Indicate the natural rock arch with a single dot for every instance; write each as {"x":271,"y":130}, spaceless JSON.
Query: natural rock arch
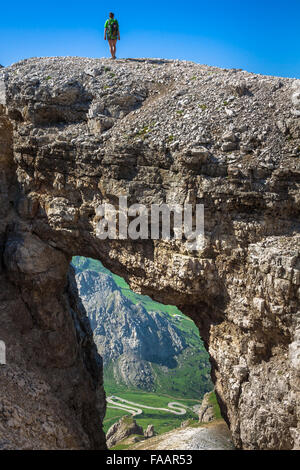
{"x":77,"y":132}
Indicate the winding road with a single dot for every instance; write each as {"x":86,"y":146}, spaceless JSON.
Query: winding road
{"x":137,"y":408}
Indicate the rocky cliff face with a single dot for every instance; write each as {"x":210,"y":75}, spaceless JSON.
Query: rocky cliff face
{"x":77,"y":132}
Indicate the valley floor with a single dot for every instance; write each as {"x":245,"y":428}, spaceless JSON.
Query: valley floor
{"x":148,"y":408}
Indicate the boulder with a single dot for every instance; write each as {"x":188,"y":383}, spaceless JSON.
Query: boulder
{"x":122,"y":429}
{"x":149,"y":431}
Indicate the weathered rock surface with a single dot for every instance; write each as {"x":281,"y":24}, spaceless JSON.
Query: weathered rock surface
{"x":206,"y":410}
{"x":212,"y":436}
{"x":122,"y":429}
{"x":77,"y":132}
{"x":149,"y":432}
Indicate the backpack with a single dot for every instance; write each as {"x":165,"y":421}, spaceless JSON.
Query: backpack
{"x":113,"y":28}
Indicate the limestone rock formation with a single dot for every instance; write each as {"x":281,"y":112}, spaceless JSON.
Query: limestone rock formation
{"x":125,"y":427}
{"x":149,"y":432}
{"x":78,"y":132}
{"x":206,"y":410}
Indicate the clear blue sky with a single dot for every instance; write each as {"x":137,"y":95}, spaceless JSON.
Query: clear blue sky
{"x":260,"y":36}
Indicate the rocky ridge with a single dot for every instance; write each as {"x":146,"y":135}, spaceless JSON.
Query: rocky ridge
{"x":77,"y":132}
{"x":211,"y":436}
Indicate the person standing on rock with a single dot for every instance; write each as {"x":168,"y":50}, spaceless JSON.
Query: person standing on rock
{"x":112,"y":33}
